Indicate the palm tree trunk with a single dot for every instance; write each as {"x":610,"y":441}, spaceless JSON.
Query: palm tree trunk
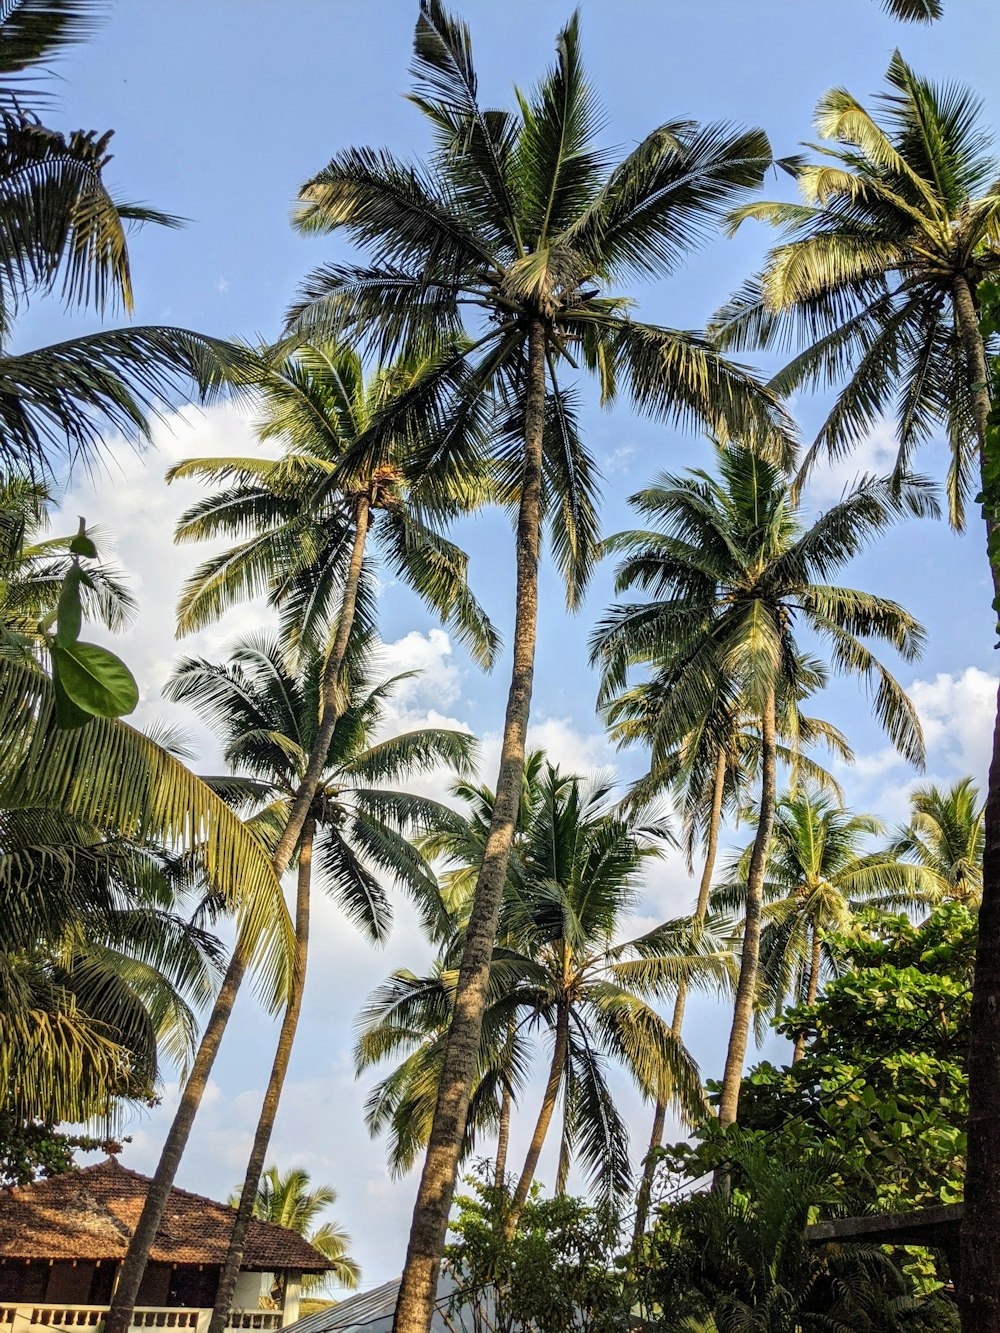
{"x":503,"y":1135}
{"x":649,"y":1169}
{"x":979,"y":1286}
{"x":137,"y":1256}
{"x":279,"y":1069}
{"x":506,"y":1106}
{"x":812,"y":990}
{"x":680,"y":1003}
{"x":545,"y":1113}
{"x":746,"y":986}
{"x":562,"y":1170}
{"x":418,"y":1288}
{"x":119,"y":1316}
{"x":715,"y":819}
{"x":330,"y":700}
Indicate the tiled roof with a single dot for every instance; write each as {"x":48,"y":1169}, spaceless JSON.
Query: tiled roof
{"x":90,"y":1214}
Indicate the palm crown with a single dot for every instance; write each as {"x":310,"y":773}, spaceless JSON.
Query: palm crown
{"x":821,"y":871}
{"x":295,"y":515}
{"x":519,"y":220}
{"x":733,"y":572}
{"x":268,"y":717}
{"x":877,"y":274}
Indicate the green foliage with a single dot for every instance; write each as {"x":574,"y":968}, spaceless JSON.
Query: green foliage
{"x":875,"y":1110}
{"x":558,"y":1273}
{"x":32,"y":1148}
{"x":738,"y":1260}
{"x":289,"y":1199}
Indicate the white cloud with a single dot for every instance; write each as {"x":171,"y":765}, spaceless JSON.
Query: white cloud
{"x":875,"y":455}
{"x":957,"y":712}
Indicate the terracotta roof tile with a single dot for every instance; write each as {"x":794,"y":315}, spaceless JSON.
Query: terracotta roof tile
{"x":90,"y":1214}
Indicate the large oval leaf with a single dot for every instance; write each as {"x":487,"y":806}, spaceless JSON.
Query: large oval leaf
{"x":95,"y":679}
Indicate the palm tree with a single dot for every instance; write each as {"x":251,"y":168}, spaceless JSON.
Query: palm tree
{"x":411,"y":1014}
{"x":733,"y":571}
{"x":357,"y":828}
{"x":305,"y":529}
{"x":310,"y":528}
{"x":572,"y":880}
{"x":819,"y":876}
{"x":709,"y":770}
{"x":945,"y":837}
{"x":510,"y":240}
{"x":98,"y":969}
{"x":291,"y":1200}
{"x":877,"y":279}
{"x":62,"y":231}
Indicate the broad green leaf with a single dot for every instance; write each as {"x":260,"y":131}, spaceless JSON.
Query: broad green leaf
{"x":95,"y":679}
{"x":82,"y":544}
{"x":69,"y":619}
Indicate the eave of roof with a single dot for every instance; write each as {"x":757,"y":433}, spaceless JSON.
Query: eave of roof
{"x":90,"y":1214}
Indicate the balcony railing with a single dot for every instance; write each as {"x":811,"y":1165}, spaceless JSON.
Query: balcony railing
{"x":39,"y":1315}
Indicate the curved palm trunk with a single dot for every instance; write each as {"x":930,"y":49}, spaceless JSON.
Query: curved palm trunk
{"x":418,"y":1288}
{"x":269,"y":1109}
{"x":134,"y":1265}
{"x":545,"y":1114}
{"x":979,"y":1286}
{"x":680,"y":1003}
{"x":812,"y":990}
{"x":746,"y":986}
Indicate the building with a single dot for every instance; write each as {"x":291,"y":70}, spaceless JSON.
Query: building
{"x":62,"y":1240}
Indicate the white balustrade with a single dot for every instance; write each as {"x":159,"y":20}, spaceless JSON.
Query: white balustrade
{"x":34,"y":1317}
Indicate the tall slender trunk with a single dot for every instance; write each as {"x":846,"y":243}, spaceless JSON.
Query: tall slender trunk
{"x":331,"y":702}
{"x":418,"y":1288}
{"x":119,"y":1316}
{"x":506,"y":1106}
{"x":563,"y":1169}
{"x":503,"y":1136}
{"x":979,"y":1285}
{"x":545,"y":1113}
{"x":746,"y":986}
{"x":282,"y":1055}
{"x":680,"y":1003}
{"x":137,"y":1256}
{"x":812,"y":989}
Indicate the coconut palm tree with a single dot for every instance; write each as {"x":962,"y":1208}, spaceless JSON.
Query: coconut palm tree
{"x":357,"y":828}
{"x":945,"y":837}
{"x":709,"y":771}
{"x":99,"y":969}
{"x":875,"y":280}
{"x":291,"y":1200}
{"x":411,"y":1014}
{"x":308,"y":549}
{"x":819,"y":875}
{"x":514,"y":237}
{"x":733,"y":572}
{"x":572,"y":879}
{"x":305,"y":529}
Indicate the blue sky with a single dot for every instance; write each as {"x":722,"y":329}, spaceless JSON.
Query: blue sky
{"x":221,"y":109}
